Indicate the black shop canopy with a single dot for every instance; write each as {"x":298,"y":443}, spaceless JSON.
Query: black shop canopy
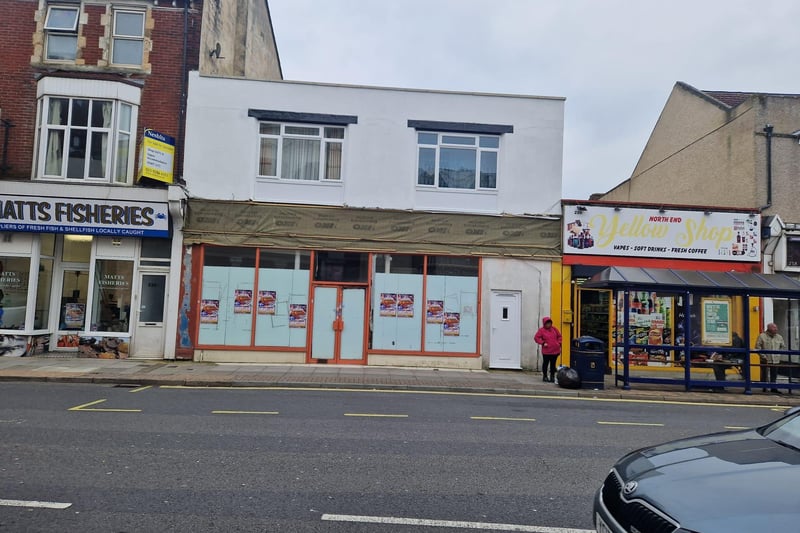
{"x":670,"y":280}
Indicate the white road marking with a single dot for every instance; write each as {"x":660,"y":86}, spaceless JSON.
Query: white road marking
{"x":377,"y":415}
{"x":629,"y":424}
{"x":481,"y":394}
{"x":502,"y":418}
{"x":486,"y":526}
{"x":244,"y":412}
{"x":735,"y":427}
{"x":40,"y":505}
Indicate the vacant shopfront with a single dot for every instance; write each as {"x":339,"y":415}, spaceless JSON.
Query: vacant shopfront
{"x":325,"y":285}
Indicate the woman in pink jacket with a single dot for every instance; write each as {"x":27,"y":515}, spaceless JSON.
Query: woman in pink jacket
{"x":550,"y":339}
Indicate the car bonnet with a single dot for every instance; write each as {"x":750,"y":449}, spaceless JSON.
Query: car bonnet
{"x":736,"y":481}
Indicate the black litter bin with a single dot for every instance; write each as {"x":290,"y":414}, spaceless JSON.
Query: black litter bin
{"x":588,"y":357}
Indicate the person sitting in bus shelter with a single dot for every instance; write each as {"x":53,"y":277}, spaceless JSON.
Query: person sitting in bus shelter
{"x":721,"y":361}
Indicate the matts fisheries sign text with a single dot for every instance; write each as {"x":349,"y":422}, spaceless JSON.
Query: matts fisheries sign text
{"x":42,"y":214}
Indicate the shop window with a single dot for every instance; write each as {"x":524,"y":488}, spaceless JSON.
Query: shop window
{"x":453,"y":266}
{"x":397,"y":306}
{"x":448,"y":311}
{"x":77,"y":248}
{"x":341,"y":266}
{"x":155,"y":252}
{"x":74,"y":295}
{"x":451,"y":289}
{"x":14,"y":276}
{"x":399,"y":264}
{"x":300,"y":152}
{"x":227,"y":297}
{"x":457,"y":161}
{"x":85,"y":139}
{"x":61,"y":33}
{"x":48,"y":244}
{"x":283,"y":280}
{"x":127,"y":47}
{"x":286,"y":260}
{"x":42,"y":310}
{"x":113,"y":283}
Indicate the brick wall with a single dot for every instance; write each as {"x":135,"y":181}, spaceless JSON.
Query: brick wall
{"x":161,"y":78}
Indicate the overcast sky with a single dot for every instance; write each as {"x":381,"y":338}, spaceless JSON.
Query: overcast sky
{"x":614,"y":61}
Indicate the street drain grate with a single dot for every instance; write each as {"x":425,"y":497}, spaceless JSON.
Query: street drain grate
{"x":127,"y":385}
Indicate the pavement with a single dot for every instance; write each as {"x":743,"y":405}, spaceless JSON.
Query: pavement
{"x":140,"y":372}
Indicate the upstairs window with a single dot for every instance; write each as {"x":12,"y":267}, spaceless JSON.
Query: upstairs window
{"x":457,"y":161}
{"x":300,"y":152}
{"x":61,"y":33}
{"x":86,"y":139}
{"x":127,"y":47}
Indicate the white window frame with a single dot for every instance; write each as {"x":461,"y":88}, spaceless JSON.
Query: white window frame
{"x":324,"y":142}
{"x":474,"y":145}
{"x":53,"y":31}
{"x":121,"y":96}
{"x":121,"y":37}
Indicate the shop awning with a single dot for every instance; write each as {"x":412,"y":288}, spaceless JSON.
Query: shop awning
{"x":669,"y":280}
{"x":230,"y":223}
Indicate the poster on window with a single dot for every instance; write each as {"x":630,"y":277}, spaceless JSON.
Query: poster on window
{"x":452,"y":324}
{"x":242,"y":301}
{"x":74,"y":315}
{"x":405,"y":305}
{"x":716,"y":321}
{"x":297,"y":315}
{"x":388,"y":304}
{"x":435,"y":312}
{"x":266,"y":302}
{"x":209,"y":312}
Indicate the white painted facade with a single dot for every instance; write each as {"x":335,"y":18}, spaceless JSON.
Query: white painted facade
{"x":379,"y":156}
{"x":379,"y":172}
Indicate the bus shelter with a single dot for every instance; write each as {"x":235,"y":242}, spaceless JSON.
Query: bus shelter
{"x":696,"y":329}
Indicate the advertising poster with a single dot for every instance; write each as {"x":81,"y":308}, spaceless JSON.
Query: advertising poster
{"x":297,"y":315}
{"x":243,"y":301}
{"x":266,"y":302}
{"x":209,"y":312}
{"x":74,"y":315}
{"x":405,"y":305}
{"x":435,"y":313}
{"x":388,"y":304}
{"x":452,"y":324}
{"x":716,"y":321}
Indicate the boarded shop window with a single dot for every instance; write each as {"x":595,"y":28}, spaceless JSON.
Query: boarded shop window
{"x":230,"y":305}
{"x":447,"y":309}
{"x":397,"y":306}
{"x":451,"y":289}
{"x":283,"y":279}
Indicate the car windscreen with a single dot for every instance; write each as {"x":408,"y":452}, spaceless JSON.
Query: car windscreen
{"x":785,"y":431}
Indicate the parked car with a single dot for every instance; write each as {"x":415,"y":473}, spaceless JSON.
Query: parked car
{"x":737,"y":481}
